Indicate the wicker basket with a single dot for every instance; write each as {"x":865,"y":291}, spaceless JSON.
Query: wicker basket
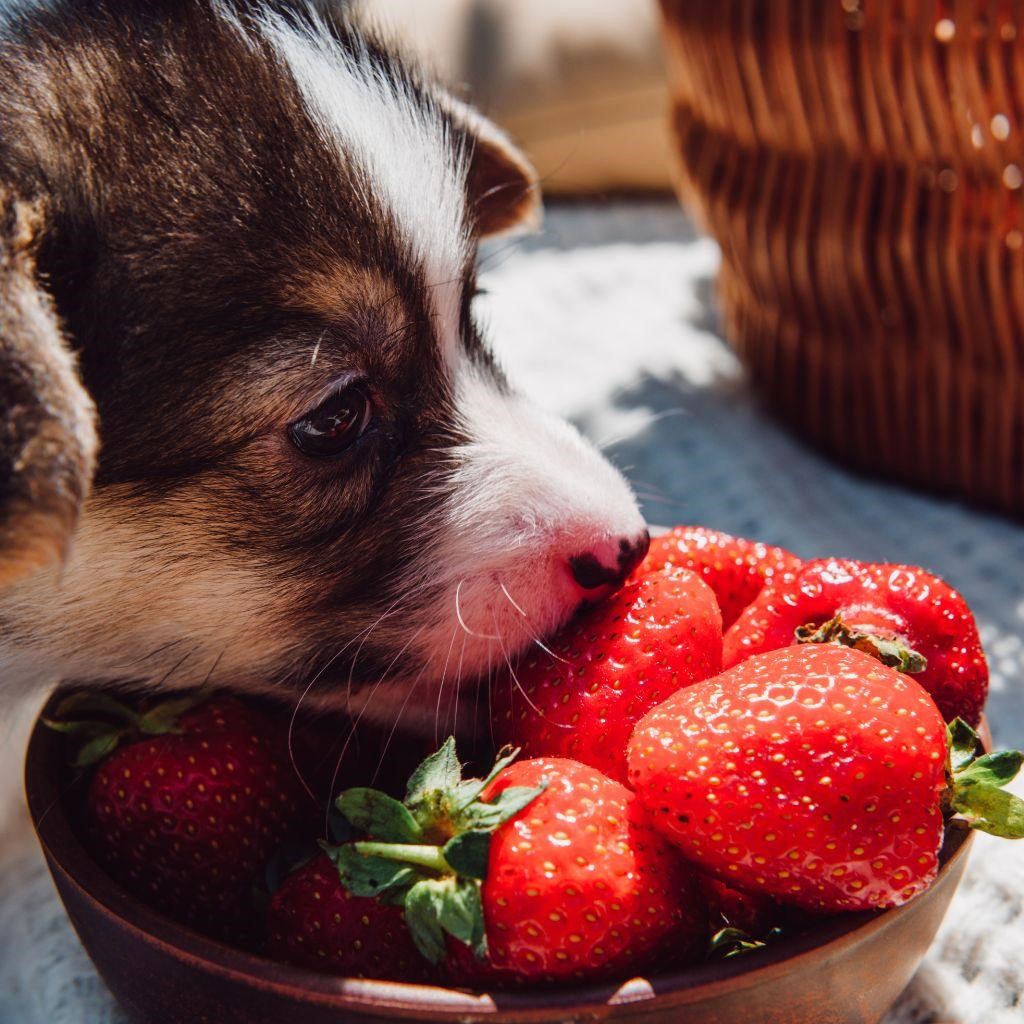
{"x":861,"y":163}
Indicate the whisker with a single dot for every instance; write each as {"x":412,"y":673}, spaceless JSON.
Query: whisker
{"x":408,"y":595}
{"x":359,"y":718}
{"x":512,"y":600}
{"x":364,"y":634}
{"x":157,"y":650}
{"x":398,"y":718}
{"x":655,"y":499}
{"x":522,"y":690}
{"x":462,"y":622}
{"x":213,"y":668}
{"x":174,"y":668}
{"x":362,"y":643}
{"x":440,"y":685}
{"x":536,"y":639}
{"x":305,"y":693}
{"x":458,"y":686}
{"x":490,"y":691}
{"x":476,"y":695}
{"x":615,"y":439}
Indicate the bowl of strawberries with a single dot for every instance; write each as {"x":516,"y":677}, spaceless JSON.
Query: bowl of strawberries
{"x":740,"y":788}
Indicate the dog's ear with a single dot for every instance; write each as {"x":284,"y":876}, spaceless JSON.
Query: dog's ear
{"x":504,"y":189}
{"x":48,"y":436}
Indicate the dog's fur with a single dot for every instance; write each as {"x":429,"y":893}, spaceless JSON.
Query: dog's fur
{"x":215,"y":214}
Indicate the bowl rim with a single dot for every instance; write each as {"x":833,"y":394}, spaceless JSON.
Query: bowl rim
{"x":67,"y":855}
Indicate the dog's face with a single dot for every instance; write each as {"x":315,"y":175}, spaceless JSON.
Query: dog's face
{"x":258,"y":232}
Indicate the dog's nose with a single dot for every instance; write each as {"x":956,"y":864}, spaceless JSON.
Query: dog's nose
{"x":610,"y":563}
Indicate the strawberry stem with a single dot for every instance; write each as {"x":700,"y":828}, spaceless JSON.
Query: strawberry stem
{"x":891,"y":651}
{"x":102,"y":723}
{"x":437,"y":884}
{"x":975,"y":782}
{"x":421,"y":856}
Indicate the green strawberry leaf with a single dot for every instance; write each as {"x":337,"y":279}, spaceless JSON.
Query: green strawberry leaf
{"x":99,"y":738}
{"x":469,"y":791}
{"x":468,"y":854}
{"x":440,"y":771}
{"x":975,"y":784}
{"x":963,"y":744}
{"x":992,"y":769}
{"x":436,"y":906}
{"x":97,"y":749}
{"x":891,"y":651}
{"x":368,"y":875}
{"x":163,"y":718}
{"x":88,"y":703}
{"x":81,"y":728}
{"x":507,"y":804}
{"x":462,"y":915}
{"x":990,"y":809}
{"x":379,"y":815}
{"x":730,"y":942}
{"x":430,"y":854}
{"x":423,"y":916}
{"x":339,"y":828}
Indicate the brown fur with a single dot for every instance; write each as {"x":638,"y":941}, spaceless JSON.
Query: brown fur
{"x":48,"y":436}
{"x":201,"y":244}
{"x":220,"y":262}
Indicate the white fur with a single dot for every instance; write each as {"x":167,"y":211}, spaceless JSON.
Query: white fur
{"x":530,"y":492}
{"x":403,"y":149}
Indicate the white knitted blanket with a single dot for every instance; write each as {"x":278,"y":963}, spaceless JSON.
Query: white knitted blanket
{"x":608,"y":317}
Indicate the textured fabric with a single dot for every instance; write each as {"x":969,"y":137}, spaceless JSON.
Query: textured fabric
{"x":608,"y":317}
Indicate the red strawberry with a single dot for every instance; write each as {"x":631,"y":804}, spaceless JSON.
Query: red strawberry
{"x":815,"y":775}
{"x":734,"y":568}
{"x":314,"y":921}
{"x":187,"y":811}
{"x":904,"y":616}
{"x":752,"y":913}
{"x":546,"y":871}
{"x":660,"y":631}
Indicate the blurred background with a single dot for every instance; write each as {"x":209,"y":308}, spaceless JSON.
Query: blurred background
{"x":823,"y":349}
{"x":859,"y":164}
{"x":580,"y":85}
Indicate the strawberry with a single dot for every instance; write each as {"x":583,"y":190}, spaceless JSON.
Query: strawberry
{"x":904,"y":616}
{"x":581,"y":697}
{"x":817,"y":776}
{"x":545,"y":871}
{"x":314,"y":921}
{"x":187,"y":802}
{"x":752,"y":913}
{"x":734,"y":568}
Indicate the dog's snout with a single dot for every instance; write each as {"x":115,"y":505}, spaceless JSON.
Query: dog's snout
{"x":611,"y":563}
{"x":632,"y":553}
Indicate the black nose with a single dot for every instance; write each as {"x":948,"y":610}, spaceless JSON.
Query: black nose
{"x":590,"y":572}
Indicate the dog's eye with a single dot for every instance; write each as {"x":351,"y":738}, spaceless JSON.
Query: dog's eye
{"x":334,"y":425}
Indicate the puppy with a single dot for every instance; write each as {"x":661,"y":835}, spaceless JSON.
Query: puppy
{"x":252,"y":432}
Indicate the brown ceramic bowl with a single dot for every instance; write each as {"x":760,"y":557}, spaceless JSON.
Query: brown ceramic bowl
{"x":848,"y":971}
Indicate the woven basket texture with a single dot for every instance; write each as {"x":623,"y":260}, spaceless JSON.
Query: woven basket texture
{"x":861,"y":164}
